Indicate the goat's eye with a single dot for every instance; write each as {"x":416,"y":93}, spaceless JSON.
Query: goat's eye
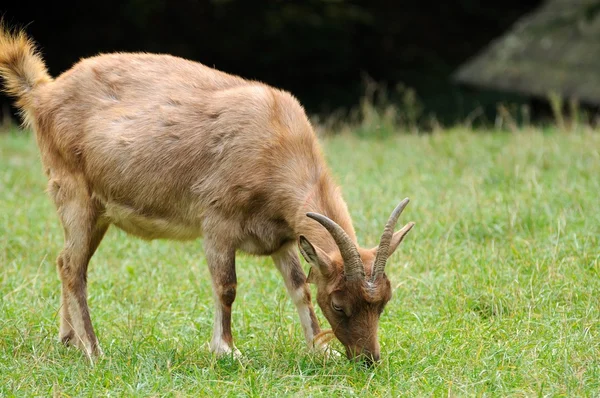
{"x":336,"y":308}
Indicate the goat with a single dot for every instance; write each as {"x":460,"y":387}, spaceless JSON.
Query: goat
{"x":167,"y":148}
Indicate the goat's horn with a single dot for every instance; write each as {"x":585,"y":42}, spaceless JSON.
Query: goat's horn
{"x":386,"y":238}
{"x":353,"y":267}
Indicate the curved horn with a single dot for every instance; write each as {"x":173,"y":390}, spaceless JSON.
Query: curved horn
{"x":353,"y":267}
{"x":386,"y":238}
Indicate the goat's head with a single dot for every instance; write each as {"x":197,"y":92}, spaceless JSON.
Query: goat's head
{"x":352,"y":288}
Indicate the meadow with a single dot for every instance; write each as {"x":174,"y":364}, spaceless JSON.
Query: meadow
{"x":496,"y":289}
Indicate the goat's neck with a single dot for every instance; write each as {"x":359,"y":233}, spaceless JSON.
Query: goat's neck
{"x":324,"y":198}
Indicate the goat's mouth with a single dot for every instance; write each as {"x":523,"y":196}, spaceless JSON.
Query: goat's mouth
{"x":363,"y":356}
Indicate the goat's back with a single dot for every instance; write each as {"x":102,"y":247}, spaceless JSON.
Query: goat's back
{"x":165,"y":137}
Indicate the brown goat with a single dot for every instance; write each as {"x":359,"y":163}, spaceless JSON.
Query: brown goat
{"x":163,"y":147}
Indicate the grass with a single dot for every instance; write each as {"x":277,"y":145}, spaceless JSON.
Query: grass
{"x":495,"y":290}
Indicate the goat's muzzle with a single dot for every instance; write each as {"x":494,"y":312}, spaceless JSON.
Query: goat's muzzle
{"x":368,"y":357}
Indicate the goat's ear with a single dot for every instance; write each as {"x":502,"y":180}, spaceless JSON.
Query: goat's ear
{"x":320,"y":263}
{"x":399,"y":236}
{"x":308,"y":250}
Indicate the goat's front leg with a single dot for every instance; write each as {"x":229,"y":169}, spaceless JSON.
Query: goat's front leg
{"x":221,"y":262}
{"x":287,"y":262}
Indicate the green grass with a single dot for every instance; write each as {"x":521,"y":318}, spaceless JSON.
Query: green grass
{"x":496,"y":290}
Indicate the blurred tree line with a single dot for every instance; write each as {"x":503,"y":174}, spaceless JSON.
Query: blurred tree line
{"x":318,"y":49}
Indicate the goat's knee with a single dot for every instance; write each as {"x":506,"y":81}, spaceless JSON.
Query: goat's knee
{"x":227,"y":294}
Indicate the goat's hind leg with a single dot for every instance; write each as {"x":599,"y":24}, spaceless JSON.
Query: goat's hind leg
{"x":83,"y":231}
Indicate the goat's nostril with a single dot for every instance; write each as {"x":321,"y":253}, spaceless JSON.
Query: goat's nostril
{"x":370,"y":359}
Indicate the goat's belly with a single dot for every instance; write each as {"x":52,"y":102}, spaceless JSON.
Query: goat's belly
{"x":149,"y":227}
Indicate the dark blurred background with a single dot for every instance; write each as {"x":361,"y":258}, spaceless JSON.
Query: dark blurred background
{"x":320,"y":50}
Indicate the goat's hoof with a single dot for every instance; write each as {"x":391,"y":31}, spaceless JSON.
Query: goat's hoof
{"x":237,"y":354}
{"x":66,"y":338}
{"x":223,"y":350}
{"x":329,"y":352}
{"x":91,"y":351}
{"x":322,"y":346}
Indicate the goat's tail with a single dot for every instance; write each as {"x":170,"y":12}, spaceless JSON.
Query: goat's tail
{"x":22,"y":69}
